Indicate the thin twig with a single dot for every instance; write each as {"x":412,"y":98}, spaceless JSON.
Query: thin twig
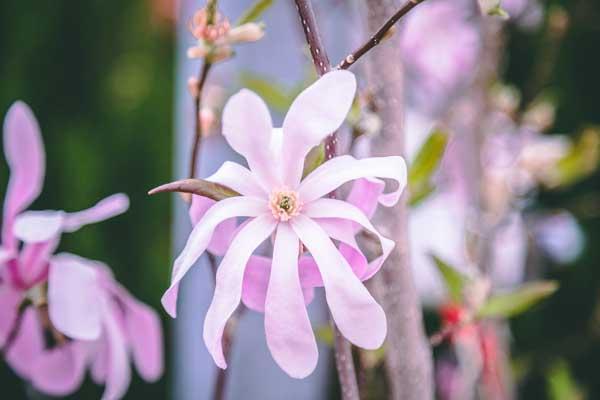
{"x":203,"y":74}
{"x":378,"y":36}
{"x":343,"y":348}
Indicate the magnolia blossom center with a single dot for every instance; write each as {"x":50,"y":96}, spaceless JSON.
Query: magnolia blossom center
{"x":284,"y":204}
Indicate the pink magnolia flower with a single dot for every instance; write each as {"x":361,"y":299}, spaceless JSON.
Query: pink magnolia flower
{"x":27,"y":264}
{"x":277,"y":201}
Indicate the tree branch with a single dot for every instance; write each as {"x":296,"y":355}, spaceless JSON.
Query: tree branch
{"x":408,"y":361}
{"x":377,"y":38}
{"x":343,"y":348}
{"x":202,"y":75}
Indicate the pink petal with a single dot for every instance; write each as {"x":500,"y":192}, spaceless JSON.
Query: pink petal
{"x":28,"y":344}
{"x":33,"y":261}
{"x":24,"y":152}
{"x":99,"y":362}
{"x":288,"y":330}
{"x":59,"y":371}
{"x":358,"y":316}
{"x":247,"y":126}
{"x":365,"y":195}
{"x":118,"y":372}
{"x":256,"y":282}
{"x":104,"y":209}
{"x":73,"y":297}
{"x":5,"y":255}
{"x":317,"y":112}
{"x":144,"y":332}
{"x":331,"y":208}
{"x":230,"y":274}
{"x":224,"y":232}
{"x":10,"y":300}
{"x":337,"y":171}
{"x":39,"y":226}
{"x":201,"y":236}
{"x":238,"y":178}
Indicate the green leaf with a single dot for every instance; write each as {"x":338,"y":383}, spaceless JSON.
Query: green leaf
{"x":455,"y":281}
{"x":315,"y":157}
{"x":255,"y":11}
{"x":581,"y":160}
{"x":425,"y":164}
{"x":560,"y":383}
{"x":277,"y":96}
{"x":510,"y":304}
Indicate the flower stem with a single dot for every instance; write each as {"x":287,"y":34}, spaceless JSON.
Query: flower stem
{"x":343,"y":348}
{"x":202,"y":75}
{"x":378,"y":36}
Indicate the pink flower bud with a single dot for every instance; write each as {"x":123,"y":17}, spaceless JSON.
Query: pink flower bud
{"x":193,"y":86}
{"x":199,"y":51}
{"x":207,"y":120}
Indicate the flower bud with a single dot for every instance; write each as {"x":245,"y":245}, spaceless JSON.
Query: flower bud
{"x":207,"y":119}
{"x":250,"y":32}
{"x":221,"y":53}
{"x":193,"y":86}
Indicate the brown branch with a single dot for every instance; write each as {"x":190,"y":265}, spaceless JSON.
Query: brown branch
{"x":408,"y":360}
{"x":379,"y":36}
{"x":202,"y":75}
{"x":343,"y":348}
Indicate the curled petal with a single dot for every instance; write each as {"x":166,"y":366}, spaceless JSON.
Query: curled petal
{"x":73,"y":297}
{"x":104,"y":209}
{"x":201,"y":236}
{"x":317,"y":112}
{"x":358,"y":316}
{"x":228,"y":289}
{"x":33,"y":261}
{"x":24,"y":152}
{"x":332,"y":208}
{"x":288,"y":330}
{"x":247,"y":126}
{"x":365,"y":195}
{"x":337,"y":171}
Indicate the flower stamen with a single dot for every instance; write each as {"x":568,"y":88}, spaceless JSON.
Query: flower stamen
{"x":284,"y":204}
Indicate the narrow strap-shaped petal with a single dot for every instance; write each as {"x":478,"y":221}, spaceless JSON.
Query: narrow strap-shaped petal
{"x":201,"y":236}
{"x":73,"y":297}
{"x":317,"y":112}
{"x":118,"y":372}
{"x":33,"y":261}
{"x":224,"y":232}
{"x":256,"y":282}
{"x":104,"y":209}
{"x":144,"y":332}
{"x":228,"y":288}
{"x":337,"y":171}
{"x":238,"y":178}
{"x":365,"y":195}
{"x":247,"y":126}
{"x":41,"y":226}
{"x":356,"y":313}
{"x":24,"y":152}
{"x":288,"y":330}
{"x":332,"y":208}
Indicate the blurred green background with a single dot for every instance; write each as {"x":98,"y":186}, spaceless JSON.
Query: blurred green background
{"x":99,"y":76}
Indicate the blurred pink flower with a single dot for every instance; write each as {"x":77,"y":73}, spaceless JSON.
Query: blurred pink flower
{"x":441,"y":61}
{"x":25,"y":269}
{"x":278,"y":201}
